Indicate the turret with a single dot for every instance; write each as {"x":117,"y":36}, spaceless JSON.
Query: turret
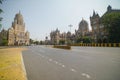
{"x":109,"y":8}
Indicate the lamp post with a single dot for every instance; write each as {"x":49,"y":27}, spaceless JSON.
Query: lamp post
{"x":70,"y":32}
{"x":70,"y":26}
{"x":46,"y":40}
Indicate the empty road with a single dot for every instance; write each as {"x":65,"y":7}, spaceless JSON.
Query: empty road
{"x":79,"y":63}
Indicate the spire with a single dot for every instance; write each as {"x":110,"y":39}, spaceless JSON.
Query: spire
{"x":57,"y":30}
{"x":109,"y":8}
{"x":93,"y":12}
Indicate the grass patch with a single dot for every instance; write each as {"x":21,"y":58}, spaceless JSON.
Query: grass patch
{"x":10,"y":64}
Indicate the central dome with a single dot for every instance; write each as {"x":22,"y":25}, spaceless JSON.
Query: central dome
{"x":83,"y":25}
{"x":19,"y":18}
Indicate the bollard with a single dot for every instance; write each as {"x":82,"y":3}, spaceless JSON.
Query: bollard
{"x":109,"y":44}
{"x":101,"y":44}
{"x":98,"y":44}
{"x":95,"y":44}
{"x":119,"y":44}
{"x":105,"y":44}
{"x":114,"y":44}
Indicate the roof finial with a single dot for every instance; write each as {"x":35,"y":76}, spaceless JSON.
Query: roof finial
{"x":93,"y":12}
{"x":109,"y":8}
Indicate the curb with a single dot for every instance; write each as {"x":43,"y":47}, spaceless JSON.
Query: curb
{"x":23,"y":67}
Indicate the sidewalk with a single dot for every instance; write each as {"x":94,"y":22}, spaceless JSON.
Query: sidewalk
{"x":11,"y":65}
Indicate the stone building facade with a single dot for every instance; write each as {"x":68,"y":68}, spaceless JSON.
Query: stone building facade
{"x":83,"y":29}
{"x":68,"y":37}
{"x":99,"y":33}
{"x":56,"y":36}
{"x":16,"y":33}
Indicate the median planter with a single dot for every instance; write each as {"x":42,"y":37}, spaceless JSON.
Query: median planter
{"x":62,"y":47}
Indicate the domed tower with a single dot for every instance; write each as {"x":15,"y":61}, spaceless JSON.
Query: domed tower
{"x":19,"y":18}
{"x":18,"y":23}
{"x":83,"y":27}
{"x":20,"y":36}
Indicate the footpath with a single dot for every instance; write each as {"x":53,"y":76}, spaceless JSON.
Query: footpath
{"x":11,"y":64}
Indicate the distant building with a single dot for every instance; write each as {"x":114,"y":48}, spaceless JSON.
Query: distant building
{"x":99,"y":33}
{"x":69,"y":38}
{"x":83,"y":29}
{"x":55,"y":36}
{"x":95,"y":24}
{"x":59,"y":38}
{"x":17,"y":34}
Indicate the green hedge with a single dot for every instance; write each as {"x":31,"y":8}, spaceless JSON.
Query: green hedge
{"x":62,"y":47}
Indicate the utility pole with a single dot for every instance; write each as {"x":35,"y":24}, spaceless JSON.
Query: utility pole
{"x":70,"y":26}
{"x":70,"y":32}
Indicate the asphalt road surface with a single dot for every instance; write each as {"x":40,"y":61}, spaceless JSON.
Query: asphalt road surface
{"x":80,"y":63}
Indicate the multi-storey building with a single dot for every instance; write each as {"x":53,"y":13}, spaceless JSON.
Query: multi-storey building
{"x":69,"y":38}
{"x":99,"y":32}
{"x":55,"y":36}
{"x":83,"y":29}
{"x":60,"y":38}
{"x":17,"y":34}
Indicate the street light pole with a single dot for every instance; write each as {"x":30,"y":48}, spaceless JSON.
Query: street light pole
{"x":70,"y":31}
{"x":70,"y":26}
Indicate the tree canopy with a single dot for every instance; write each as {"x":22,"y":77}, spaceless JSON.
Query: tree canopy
{"x":111,"y":23}
{"x":0,"y":13}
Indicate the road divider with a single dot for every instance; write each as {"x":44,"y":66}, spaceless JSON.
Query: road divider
{"x":62,"y":47}
{"x":97,"y":44}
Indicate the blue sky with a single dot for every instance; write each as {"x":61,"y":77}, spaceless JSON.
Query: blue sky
{"x":43,"y":16}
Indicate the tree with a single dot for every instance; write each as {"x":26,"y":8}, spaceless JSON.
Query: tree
{"x":79,"y":40}
{"x":4,"y":42}
{"x":84,"y":39}
{"x":41,"y":42}
{"x":31,"y":41}
{"x":0,"y":13}
{"x":111,"y":23}
{"x":62,"y":42}
{"x":87,"y":40}
{"x":36,"y":42}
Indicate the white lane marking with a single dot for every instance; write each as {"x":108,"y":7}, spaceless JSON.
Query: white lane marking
{"x":50,"y":59}
{"x":63,"y":65}
{"x":86,"y":75}
{"x":73,"y":70}
{"x":56,"y":62}
{"x":23,"y":67}
{"x":83,"y":74}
